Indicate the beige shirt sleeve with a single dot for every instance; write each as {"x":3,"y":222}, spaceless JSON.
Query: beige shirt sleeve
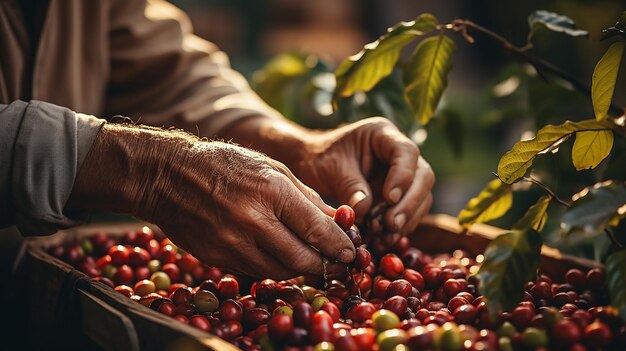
{"x":162,"y":74}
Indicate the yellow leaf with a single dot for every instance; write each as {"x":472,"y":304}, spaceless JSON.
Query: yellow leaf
{"x":491,"y":203}
{"x":604,"y":77}
{"x":514,"y":164}
{"x":362,"y":71}
{"x":590,"y":148}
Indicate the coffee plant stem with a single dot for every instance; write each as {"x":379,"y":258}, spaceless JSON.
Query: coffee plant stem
{"x":461,"y":25}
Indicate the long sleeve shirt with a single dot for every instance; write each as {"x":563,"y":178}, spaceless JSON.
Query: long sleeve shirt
{"x":135,"y":58}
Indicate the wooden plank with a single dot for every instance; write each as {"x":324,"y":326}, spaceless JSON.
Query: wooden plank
{"x":105,"y":326}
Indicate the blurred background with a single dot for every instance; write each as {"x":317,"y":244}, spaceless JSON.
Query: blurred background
{"x":491,"y":101}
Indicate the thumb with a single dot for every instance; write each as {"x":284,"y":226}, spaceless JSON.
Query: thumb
{"x":353,"y":190}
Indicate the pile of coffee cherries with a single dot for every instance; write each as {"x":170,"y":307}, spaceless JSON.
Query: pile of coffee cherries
{"x":396,"y":298}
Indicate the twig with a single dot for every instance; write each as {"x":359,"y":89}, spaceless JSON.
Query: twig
{"x":461,"y":25}
{"x":549,"y":191}
{"x":614,"y":240}
{"x":545,"y":188}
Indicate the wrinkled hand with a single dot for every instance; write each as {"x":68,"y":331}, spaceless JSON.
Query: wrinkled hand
{"x":367,"y":162}
{"x":228,"y":206}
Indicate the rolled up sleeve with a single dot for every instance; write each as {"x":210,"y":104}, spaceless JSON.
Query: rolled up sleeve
{"x":41,"y":149}
{"x":162,"y":74}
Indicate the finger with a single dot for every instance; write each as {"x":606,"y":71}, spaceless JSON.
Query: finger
{"x":311,"y":225}
{"x":399,"y":215}
{"x":290,"y":250}
{"x":401,"y":154}
{"x":310,"y":194}
{"x":422,"y":211}
{"x":353,"y":189}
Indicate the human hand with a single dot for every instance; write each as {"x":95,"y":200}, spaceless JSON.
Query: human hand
{"x":226,"y":205}
{"x":367,"y":162}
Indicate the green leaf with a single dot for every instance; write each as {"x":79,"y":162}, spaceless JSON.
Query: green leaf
{"x":377,"y":59}
{"x":511,"y":260}
{"x":514,"y":164}
{"x":590,"y":148}
{"x":618,"y":29}
{"x":426,"y":75}
{"x":595,"y":207}
{"x":276,"y":82}
{"x":536,"y":216}
{"x":604,"y":77}
{"x":555,"y":22}
{"x":616,"y":281}
{"x":491,"y":203}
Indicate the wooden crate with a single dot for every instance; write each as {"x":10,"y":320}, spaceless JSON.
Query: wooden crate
{"x":73,"y":306}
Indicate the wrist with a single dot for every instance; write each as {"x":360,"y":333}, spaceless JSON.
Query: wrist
{"x":280,"y":139}
{"x":124,"y":168}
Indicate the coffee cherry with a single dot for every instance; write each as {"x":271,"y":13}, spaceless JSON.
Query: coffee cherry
{"x":125,"y":290}
{"x":415,"y":278}
{"x":399,"y":287}
{"x":187,"y":263}
{"x":396,"y":304}
{"x":266,"y":290}
{"x":230,"y":310}
{"x":450,"y":337}
{"x":363,"y":258}
{"x":344,"y":217}
{"x":119,"y":255}
{"x":144,"y":287}
{"x":576,"y":278}
{"x":361,"y":312}
{"x":597,"y":335}
{"x":389,"y":339}
{"x":256,"y":317}
{"x":205,"y":301}
{"x":595,"y":278}
{"x":200,"y":322}
{"x":123,"y":275}
{"x":465,"y":314}
{"x":521,"y":316}
{"x":181,"y":296}
{"x":138,"y":257}
{"x":534,"y":338}
{"x":321,"y":327}
{"x":283,"y":310}
{"x":541,"y":290}
{"x":385,"y":319}
{"x":302,"y":315}
{"x":167,"y":308}
{"x":452,"y":287}
{"x":391,"y":266}
{"x":566,"y":332}
{"x":172,"y":270}
{"x":161,"y":280}
{"x":354,"y":236}
{"x":228,"y":288}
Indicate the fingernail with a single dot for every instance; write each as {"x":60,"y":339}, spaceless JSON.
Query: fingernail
{"x":399,"y":221}
{"x":356,"y":198}
{"x":345,"y":256}
{"x":391,"y":239}
{"x":395,"y":194}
